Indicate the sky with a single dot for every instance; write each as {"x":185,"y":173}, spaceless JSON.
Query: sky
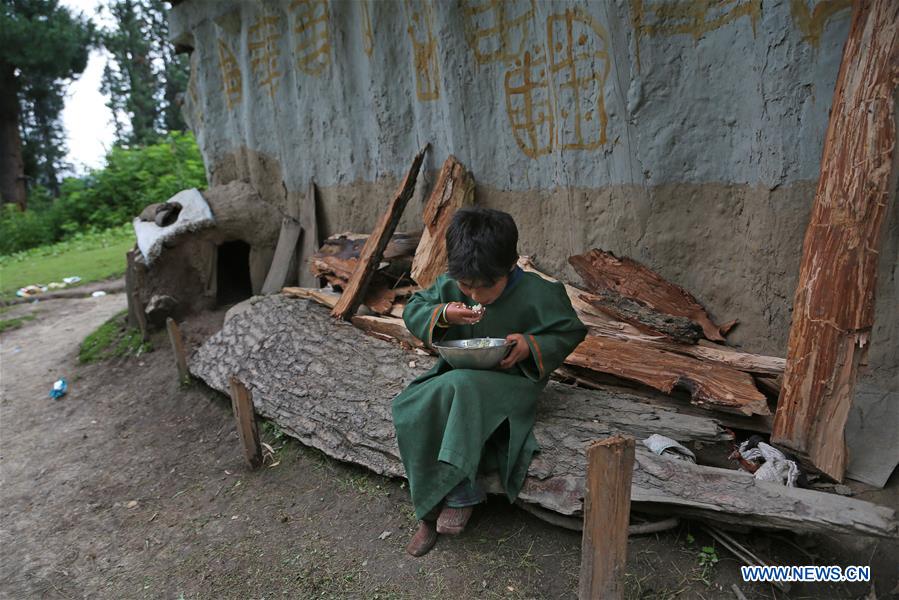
{"x":87,"y":120}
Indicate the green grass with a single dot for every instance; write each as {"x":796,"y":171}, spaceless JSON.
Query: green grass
{"x":92,"y":256}
{"x":10,"y":324}
{"x":112,"y":339}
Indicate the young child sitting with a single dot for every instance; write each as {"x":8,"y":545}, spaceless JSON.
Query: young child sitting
{"x":452,"y":424}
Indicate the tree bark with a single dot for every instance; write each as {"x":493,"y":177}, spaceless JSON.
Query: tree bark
{"x":454,"y":189}
{"x":12,"y":167}
{"x":329,"y":385}
{"x":602,"y":270}
{"x":833,"y":309}
{"x":374,"y":247}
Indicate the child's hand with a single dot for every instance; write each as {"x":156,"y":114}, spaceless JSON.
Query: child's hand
{"x":518,"y":353}
{"x":459,"y":314}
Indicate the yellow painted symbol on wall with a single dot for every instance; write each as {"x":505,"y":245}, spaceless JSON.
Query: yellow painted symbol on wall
{"x":368,"y":38}
{"x":194,"y":103}
{"x":579,"y":63}
{"x":557,"y":101}
{"x":312,"y":28}
{"x":529,"y":104}
{"x":497,"y":30}
{"x":263,"y":39}
{"x":424,"y":48}
{"x":811,"y":21}
{"x":694,"y":17}
{"x":232,"y":79}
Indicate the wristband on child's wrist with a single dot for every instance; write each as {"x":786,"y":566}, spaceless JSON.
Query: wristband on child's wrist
{"x":441,"y":320}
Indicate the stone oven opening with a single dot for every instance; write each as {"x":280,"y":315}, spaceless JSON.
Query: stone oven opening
{"x":233,"y":282}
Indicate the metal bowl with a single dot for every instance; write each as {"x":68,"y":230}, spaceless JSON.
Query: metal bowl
{"x":477,"y":353}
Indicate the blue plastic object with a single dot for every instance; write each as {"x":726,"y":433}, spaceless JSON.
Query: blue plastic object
{"x":60,"y":387}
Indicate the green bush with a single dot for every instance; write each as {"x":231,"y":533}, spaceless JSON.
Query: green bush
{"x":108,"y":197}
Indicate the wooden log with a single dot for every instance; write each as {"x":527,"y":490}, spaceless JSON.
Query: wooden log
{"x":605,"y":326}
{"x":602,"y":270}
{"x":284,"y":251}
{"x":311,"y":240}
{"x":454,"y":189}
{"x":323,"y":297}
{"x":295,"y":358}
{"x":376,"y":243}
{"x":177,"y":341}
{"x":245,"y":416}
{"x":833,"y":309}
{"x":387,"y":328}
{"x":710,"y":386}
{"x":607,"y":509}
{"x":644,"y":318}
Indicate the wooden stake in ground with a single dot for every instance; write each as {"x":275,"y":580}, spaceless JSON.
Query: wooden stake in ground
{"x":377,"y":241}
{"x":833,"y":309}
{"x":178,"y":350}
{"x":607,"y":509}
{"x":245,"y":415}
{"x":454,"y":189}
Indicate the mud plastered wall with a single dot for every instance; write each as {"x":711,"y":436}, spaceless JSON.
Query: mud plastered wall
{"x":684,"y":133}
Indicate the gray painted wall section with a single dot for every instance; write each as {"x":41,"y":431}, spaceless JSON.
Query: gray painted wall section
{"x":744,"y":102}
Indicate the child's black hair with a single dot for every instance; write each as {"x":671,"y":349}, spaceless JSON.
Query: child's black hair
{"x":481,"y":245}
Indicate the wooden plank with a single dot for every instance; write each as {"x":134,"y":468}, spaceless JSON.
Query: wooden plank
{"x":352,"y":422}
{"x":602,"y":270}
{"x":454,"y":189}
{"x":177,"y":341}
{"x":607,"y":507}
{"x":245,"y":416}
{"x":833,"y":309}
{"x":710,"y":385}
{"x":387,"y":328}
{"x":376,"y":243}
{"x":311,"y":240}
{"x":284,"y":251}
{"x":323,"y":297}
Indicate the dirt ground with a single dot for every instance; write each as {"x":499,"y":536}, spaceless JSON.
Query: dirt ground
{"x":134,"y":487}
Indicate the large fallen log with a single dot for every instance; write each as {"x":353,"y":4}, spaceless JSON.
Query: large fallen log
{"x":373,"y":250}
{"x":453,"y":190}
{"x":330,"y":386}
{"x":604,"y":271}
{"x":833,"y":310}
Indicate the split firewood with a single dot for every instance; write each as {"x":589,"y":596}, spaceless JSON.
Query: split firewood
{"x":351,"y":422}
{"x":374,"y":247}
{"x":387,"y":328}
{"x":833,"y":309}
{"x":644,"y":318}
{"x":454,"y":189}
{"x":602,"y":270}
{"x":710,"y":386}
{"x":603,"y":325}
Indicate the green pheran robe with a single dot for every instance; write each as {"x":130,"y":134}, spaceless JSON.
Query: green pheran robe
{"x":453,"y":423}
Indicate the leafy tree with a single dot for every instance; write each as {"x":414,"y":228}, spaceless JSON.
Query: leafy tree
{"x":41,"y":45}
{"x":145,"y":76}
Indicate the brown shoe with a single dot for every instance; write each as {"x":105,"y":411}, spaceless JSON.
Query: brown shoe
{"x":452,"y":521}
{"x":423,"y":540}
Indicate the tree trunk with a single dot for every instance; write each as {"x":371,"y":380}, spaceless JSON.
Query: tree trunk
{"x":12,"y":167}
{"x":833,"y":310}
{"x":329,"y":385}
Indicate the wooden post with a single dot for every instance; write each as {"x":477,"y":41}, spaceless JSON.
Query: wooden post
{"x":178,"y":350}
{"x":607,"y":507}
{"x":374,"y":247}
{"x":245,"y":415}
{"x":833,"y":309}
